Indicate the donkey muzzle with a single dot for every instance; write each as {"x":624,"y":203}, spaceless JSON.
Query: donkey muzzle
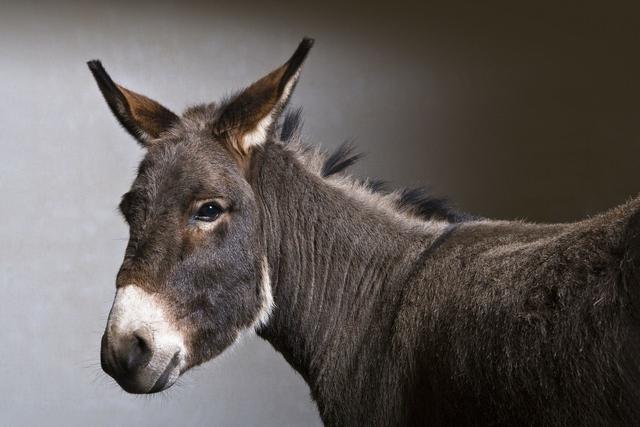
{"x":141,"y":349}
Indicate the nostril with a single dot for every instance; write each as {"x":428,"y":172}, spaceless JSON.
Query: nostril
{"x":142,"y":342}
{"x":139,"y":350}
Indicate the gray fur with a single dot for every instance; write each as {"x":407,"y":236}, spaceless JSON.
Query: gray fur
{"x":392,"y":318}
{"x":505,"y":323}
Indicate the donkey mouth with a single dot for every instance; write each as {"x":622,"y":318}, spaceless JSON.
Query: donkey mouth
{"x":154,"y":377}
{"x":143,"y":382}
{"x":169,"y":375}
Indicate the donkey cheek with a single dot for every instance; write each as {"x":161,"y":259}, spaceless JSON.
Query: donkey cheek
{"x":191,"y":240}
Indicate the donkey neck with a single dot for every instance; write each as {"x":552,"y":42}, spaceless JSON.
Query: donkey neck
{"x":338,"y":266}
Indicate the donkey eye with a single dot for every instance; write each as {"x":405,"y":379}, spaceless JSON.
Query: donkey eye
{"x":209,"y":212}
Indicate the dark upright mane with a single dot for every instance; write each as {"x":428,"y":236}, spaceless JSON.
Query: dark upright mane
{"x":416,"y":201}
{"x":341,"y":159}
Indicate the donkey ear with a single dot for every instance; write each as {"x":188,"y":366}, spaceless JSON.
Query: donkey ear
{"x":249,"y":117}
{"x":143,"y":118}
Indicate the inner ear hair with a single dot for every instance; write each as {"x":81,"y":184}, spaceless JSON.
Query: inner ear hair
{"x":248,"y":118}
{"x":144,"y":118}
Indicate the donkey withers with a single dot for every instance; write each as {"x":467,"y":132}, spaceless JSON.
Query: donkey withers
{"x":393,"y":308}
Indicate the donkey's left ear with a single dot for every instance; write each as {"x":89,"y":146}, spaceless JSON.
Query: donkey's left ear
{"x":250,"y":116}
{"x":144,"y":118}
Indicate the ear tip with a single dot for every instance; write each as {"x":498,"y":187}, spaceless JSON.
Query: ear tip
{"x":307,"y":42}
{"x":301,"y":52}
{"x":101,"y":76}
{"x":305,"y":46}
{"x":94,"y":64}
{"x":98,"y":71}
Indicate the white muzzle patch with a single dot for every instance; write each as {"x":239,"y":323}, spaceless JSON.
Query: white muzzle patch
{"x":135,"y":309}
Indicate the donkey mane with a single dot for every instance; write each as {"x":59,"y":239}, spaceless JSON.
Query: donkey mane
{"x":413,"y":202}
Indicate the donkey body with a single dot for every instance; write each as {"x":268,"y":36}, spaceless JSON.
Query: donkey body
{"x":394,"y":309}
{"x":474,"y":323}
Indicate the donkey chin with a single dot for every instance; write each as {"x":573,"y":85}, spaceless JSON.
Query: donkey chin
{"x":141,"y":349}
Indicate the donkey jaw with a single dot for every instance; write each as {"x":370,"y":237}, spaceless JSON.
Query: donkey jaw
{"x":141,"y":348}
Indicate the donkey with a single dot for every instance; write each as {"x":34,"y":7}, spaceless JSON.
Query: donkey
{"x":394,"y":308}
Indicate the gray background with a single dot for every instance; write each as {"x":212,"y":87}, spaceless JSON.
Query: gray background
{"x":513,"y":111}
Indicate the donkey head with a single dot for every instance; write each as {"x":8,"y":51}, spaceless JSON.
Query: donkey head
{"x":194,"y":274}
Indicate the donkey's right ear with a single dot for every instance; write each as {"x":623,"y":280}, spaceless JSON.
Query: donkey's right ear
{"x":144,"y":118}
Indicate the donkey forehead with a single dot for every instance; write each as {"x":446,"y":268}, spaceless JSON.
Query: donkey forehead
{"x":190,"y":164}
